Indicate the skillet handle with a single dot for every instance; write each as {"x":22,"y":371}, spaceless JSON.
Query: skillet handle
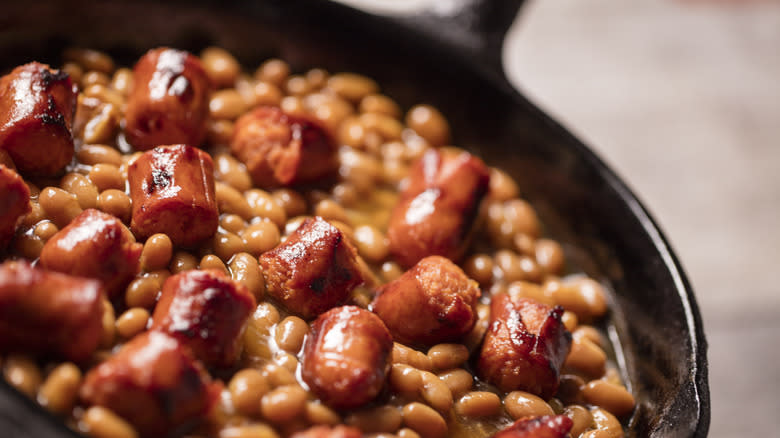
{"x":475,"y":27}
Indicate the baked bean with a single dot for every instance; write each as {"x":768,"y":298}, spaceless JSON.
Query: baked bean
{"x":230,"y":200}
{"x":570,"y":389}
{"x":330,"y":110}
{"x":429,"y":124}
{"x":266,"y":93}
{"x":352,"y":86}
{"x":59,"y":206}
{"x":291,"y":201}
{"x":478,"y":404}
{"x":108,"y":324}
{"x":28,"y":245}
{"x":380,"y":104}
{"x":226,"y":104}
{"x":514,"y":267}
{"x":283,"y":403}
{"x":89,"y":59}
{"x":274,"y":71}
{"x":381,"y":419}
{"x":77,"y":184}
{"x":290,"y":333}
{"x":435,"y":392}
{"x":226,"y":245}
{"x":345,"y":194}
{"x":245,"y":269}
{"x":390,"y":271}
{"x":106,"y":176}
{"x":297,"y":85}
{"x":403,"y":354}
{"x":286,"y":360}
{"x":549,"y":255}
{"x":60,"y":390}
{"x":74,"y":70}
{"x":447,"y":356}
{"x":524,"y":244}
{"x":405,"y":379}
{"x":479,"y":267}
{"x":459,"y":381}
{"x":261,"y":237}
{"x":35,"y":215}
{"x":258,"y":331}
{"x":587,"y":357}
{"x":142,"y":292}
{"x":277,"y":375}
{"x":519,"y":404}
{"x":580,"y":417}
{"x":583,"y":296}
{"x":525,"y":289}
{"x":405,"y":432}
{"x":248,"y":431}
{"x":105,"y":95}
{"x":22,"y":373}
{"x":232,"y":223}
{"x":99,"y":422}
{"x":45,"y":230}
{"x":265,"y":206}
{"x":247,"y":388}
{"x":232,"y":172}
{"x":183,"y":261}
{"x":474,"y":338}
{"x":371,"y":243}
{"x":157,"y":252}
{"x":614,"y":398}
{"x":221,"y":67}
{"x":93,"y":77}
{"x":606,"y":425}
{"x":132,"y":322}
{"x":589,"y":332}
{"x":220,"y":131}
{"x":318,"y":413}
{"x":122,"y":80}
{"x":115,"y":202}
{"x":502,"y":186}
{"x":424,"y":420}
{"x":293,"y":105}
{"x":386,"y":126}
{"x":316,"y":78}
{"x":330,"y":210}
{"x":351,"y":133}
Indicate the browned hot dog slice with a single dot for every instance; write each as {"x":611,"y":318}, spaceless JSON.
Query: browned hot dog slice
{"x":36,"y":115}
{"x":168,"y":103}
{"x":548,"y":426}
{"x":207,"y":311}
{"x":432,"y":302}
{"x":346,"y":357}
{"x":14,"y":203}
{"x":47,"y":313}
{"x":172,"y":189}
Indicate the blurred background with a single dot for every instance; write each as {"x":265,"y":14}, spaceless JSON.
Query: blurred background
{"x":682,"y":99}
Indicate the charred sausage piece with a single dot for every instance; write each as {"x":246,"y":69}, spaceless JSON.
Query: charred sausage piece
{"x":312,"y":271}
{"x":436,"y":211}
{"x":339,"y":431}
{"x":206,"y":311}
{"x":172,"y":189}
{"x":169,"y":101}
{"x":279,"y":149}
{"x":431,"y":303}
{"x":154,"y":382}
{"x":49,"y":314}
{"x":36,"y":115}
{"x":548,"y":426}
{"x":14,"y":203}
{"x":95,"y":245}
{"x":525,"y":346}
{"x":346,"y":357}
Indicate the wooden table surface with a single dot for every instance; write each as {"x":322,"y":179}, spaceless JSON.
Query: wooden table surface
{"x":682,"y":98}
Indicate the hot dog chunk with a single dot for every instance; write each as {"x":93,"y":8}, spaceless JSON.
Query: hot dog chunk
{"x":153,"y":382}
{"x":95,"y":245}
{"x":548,"y":426}
{"x":314,"y":270}
{"x":207,"y":311}
{"x":339,"y":431}
{"x":172,"y":189}
{"x":280,"y":149}
{"x":525,"y":346}
{"x":168,"y":103}
{"x":346,"y":357}
{"x":437,"y":209}
{"x":48,"y":313}
{"x":431,"y":303}
{"x":14,"y":203}
{"x":36,"y":115}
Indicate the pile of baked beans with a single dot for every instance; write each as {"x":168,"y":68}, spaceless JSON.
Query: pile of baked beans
{"x":431,"y":385}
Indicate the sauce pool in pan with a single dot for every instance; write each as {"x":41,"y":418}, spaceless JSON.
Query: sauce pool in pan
{"x":192,"y":249}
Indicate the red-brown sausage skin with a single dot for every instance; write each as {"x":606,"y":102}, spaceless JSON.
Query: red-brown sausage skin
{"x":36,"y":116}
{"x":525,"y":346}
{"x":206,"y":311}
{"x":169,"y":101}
{"x":154,"y":382}
{"x":14,"y":203}
{"x":279,"y":149}
{"x":432,"y":302}
{"x":95,"y":245}
{"x":172,"y":189}
{"x":339,"y":431}
{"x":49,"y":314}
{"x":548,"y":426}
{"x":437,"y":209}
{"x":312,"y":271}
{"x":346,"y":357}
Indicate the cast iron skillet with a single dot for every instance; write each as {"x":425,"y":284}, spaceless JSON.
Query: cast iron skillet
{"x":452,"y":61}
